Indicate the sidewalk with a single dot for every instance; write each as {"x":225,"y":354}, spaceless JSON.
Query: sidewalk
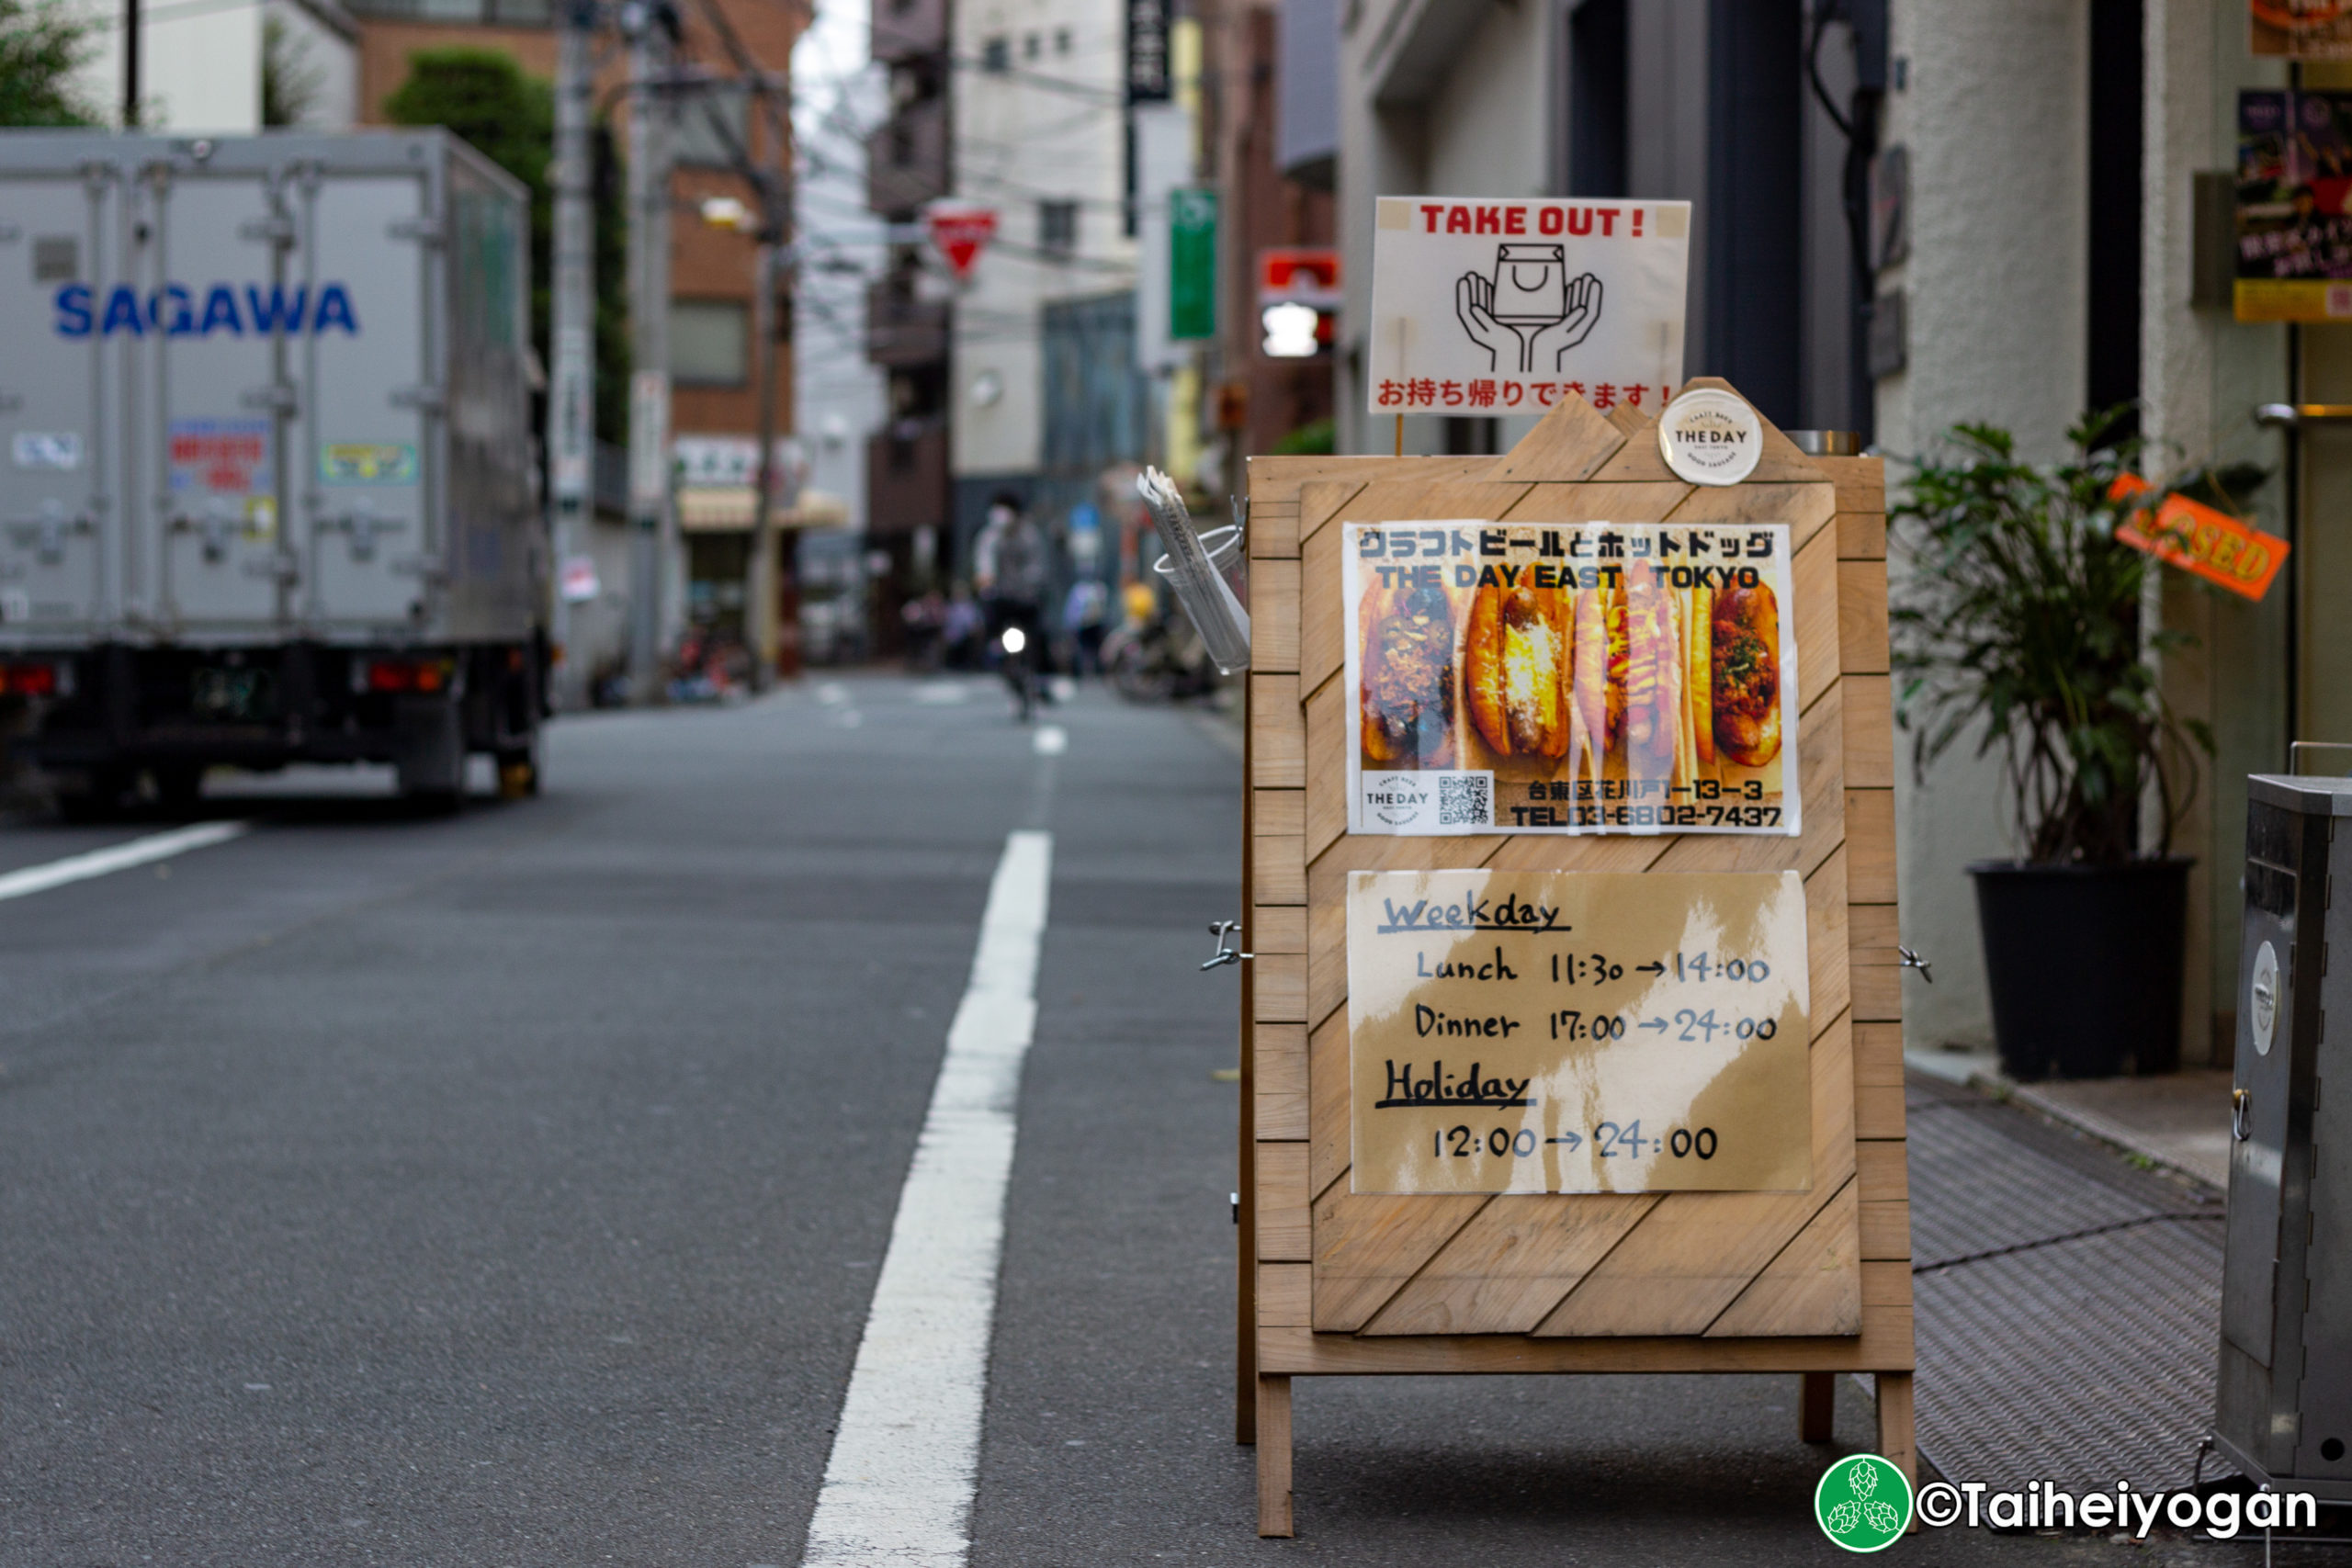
{"x":2067,"y":1269}
{"x":2179,"y":1121}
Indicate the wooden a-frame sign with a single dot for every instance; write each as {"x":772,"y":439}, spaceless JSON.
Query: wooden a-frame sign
{"x":1334,"y":1281}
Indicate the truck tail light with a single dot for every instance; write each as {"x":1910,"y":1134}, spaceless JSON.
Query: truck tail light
{"x":30,"y":680}
{"x":425,"y":676}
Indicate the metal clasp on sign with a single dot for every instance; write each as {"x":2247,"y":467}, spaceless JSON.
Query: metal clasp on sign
{"x":1222,"y":931}
{"x":1913,"y":960}
{"x":2240,"y":1115}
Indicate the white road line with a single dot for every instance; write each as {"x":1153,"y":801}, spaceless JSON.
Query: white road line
{"x":898,"y":1487}
{"x":117,"y":857}
{"x":1051,"y":740}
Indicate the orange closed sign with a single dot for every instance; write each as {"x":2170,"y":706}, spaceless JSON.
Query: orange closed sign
{"x":2198,"y":539}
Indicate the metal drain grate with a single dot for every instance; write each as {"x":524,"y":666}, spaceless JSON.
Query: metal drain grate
{"x":2068,"y":1306}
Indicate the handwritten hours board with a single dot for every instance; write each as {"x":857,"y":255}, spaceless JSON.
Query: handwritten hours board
{"x":1562,"y":1032}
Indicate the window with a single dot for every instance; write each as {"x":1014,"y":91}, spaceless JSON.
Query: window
{"x":699,"y":143}
{"x":1061,"y":40}
{"x":996,"y":54}
{"x":1058,"y":226}
{"x":1031,"y":46}
{"x":709,"y":342}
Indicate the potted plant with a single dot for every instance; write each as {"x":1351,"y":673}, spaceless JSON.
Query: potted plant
{"x":2019,"y":630}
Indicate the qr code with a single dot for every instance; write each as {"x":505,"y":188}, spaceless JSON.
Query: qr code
{"x":1466,"y":800}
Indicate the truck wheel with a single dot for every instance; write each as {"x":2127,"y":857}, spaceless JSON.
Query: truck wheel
{"x":98,"y":800}
{"x":434,"y":802}
{"x":518,"y":771}
{"x":179,"y":788}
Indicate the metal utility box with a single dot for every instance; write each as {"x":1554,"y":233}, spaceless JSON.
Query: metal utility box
{"x":267,"y":416}
{"x":2284,"y":1409}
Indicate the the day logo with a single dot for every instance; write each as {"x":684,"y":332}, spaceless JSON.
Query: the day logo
{"x":1709,"y":436}
{"x":1864,"y":1503}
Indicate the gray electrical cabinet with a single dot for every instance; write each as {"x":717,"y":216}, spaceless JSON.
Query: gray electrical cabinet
{"x":2283,"y":1411}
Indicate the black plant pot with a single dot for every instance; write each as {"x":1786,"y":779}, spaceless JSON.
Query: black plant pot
{"x":2083,"y":963}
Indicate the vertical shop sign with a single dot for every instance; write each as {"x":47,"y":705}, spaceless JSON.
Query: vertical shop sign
{"x":1147,"y":76}
{"x":1192,"y":263}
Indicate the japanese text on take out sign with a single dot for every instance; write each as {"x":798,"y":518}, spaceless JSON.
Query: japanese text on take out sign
{"x":1487,"y":306}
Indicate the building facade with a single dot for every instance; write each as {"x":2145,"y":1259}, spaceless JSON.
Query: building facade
{"x":909,"y":309}
{"x":1040,"y":126}
{"x":210,"y":70}
{"x":713,"y":267}
{"x":1274,"y":197}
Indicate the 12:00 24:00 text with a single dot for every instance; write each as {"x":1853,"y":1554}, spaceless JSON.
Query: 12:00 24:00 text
{"x":1610,"y":1141}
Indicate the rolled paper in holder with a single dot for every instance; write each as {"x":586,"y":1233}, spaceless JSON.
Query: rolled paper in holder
{"x":1192,"y":570}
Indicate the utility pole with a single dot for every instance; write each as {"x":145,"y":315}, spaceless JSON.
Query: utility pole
{"x":759,"y":610}
{"x":131,"y":64}
{"x":649,"y":414}
{"x":571,"y":400}
{"x":771,"y":319}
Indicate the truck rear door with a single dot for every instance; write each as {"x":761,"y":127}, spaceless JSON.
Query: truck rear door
{"x":60,"y":251}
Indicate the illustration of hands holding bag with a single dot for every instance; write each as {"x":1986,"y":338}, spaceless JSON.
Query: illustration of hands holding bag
{"x":1529,"y":308}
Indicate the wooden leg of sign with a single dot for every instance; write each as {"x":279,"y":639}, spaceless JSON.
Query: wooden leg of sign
{"x":1816,"y":1407}
{"x":1274,"y":1456}
{"x":1400,"y":436}
{"x":1894,"y":1439}
{"x":1245,"y":1212}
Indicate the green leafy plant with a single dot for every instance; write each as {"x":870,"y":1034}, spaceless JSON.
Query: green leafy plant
{"x":2020,"y":622}
{"x":509,"y":117}
{"x":41,"y":46}
{"x":1314,"y":438}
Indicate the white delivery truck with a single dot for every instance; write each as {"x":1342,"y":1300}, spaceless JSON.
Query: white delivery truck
{"x":268,"y":483}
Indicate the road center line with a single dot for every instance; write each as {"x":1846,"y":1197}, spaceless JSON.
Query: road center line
{"x":905,"y":1462}
{"x":141,"y":850}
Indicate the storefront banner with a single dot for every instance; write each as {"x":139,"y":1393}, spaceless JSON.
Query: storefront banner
{"x":1584,"y":678}
{"x":2300,"y":29}
{"x":1488,"y":307}
{"x":2294,"y":207}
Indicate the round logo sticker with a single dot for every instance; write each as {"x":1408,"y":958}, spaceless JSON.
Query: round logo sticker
{"x":1710,"y":437}
{"x":1864,"y":1503}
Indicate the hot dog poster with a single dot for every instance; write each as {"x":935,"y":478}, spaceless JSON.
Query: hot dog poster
{"x":1570,"y":678}
{"x":1484,"y":306}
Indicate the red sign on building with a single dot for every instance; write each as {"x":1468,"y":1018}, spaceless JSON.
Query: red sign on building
{"x":1304,"y":275}
{"x":961,"y":233}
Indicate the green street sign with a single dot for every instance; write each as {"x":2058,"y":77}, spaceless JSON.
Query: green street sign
{"x":1192,"y":263}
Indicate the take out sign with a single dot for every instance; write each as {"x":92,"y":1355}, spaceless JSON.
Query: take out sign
{"x":2200,"y":539}
{"x":1491,"y":306}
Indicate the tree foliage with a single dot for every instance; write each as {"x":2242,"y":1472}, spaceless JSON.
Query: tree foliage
{"x":291,"y":82}
{"x":42,"y":45}
{"x":484,"y":96}
{"x":2021,"y":621}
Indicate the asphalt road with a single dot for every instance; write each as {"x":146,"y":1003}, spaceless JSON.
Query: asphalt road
{"x":510,"y":1189}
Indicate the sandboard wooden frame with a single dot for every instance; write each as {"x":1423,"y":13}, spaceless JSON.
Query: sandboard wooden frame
{"x":1336,"y":1282}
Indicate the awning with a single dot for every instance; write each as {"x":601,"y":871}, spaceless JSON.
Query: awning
{"x":726,"y":509}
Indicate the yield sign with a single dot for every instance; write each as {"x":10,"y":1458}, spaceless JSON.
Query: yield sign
{"x":961,"y":232}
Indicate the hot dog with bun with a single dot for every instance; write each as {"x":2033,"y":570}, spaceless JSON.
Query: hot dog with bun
{"x":1407,"y":700}
{"x":1747,"y":675}
{"x":1516,"y":656}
